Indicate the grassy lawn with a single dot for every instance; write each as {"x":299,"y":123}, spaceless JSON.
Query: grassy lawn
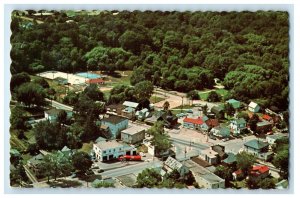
{"x":106,"y":94}
{"x":176,"y":111}
{"x":87,"y":147}
{"x":204,"y":94}
{"x":123,"y":79}
{"x":155,"y":99}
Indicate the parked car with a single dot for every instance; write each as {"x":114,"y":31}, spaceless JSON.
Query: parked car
{"x":225,"y":139}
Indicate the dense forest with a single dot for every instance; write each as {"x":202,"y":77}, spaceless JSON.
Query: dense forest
{"x":180,"y":51}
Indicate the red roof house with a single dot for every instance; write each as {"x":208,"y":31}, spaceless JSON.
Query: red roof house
{"x":258,"y":172}
{"x":96,"y":81}
{"x":194,"y":123}
{"x":212,"y":123}
{"x":267,"y":117}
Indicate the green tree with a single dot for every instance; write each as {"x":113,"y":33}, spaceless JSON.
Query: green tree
{"x":102,"y":184}
{"x":92,"y":91}
{"x":81,"y":161}
{"x":193,"y":95}
{"x":62,"y":117}
{"x":31,"y":94}
{"x":161,"y":139}
{"x":266,"y":183}
{"x":213,"y":97}
{"x":166,"y":106}
{"x":18,"y":118}
{"x":143,"y":90}
{"x":228,"y":109}
{"x":245,"y":161}
{"x":253,"y":121}
{"x":281,"y":161}
{"x":148,"y":178}
{"x":19,"y":79}
{"x":74,"y":135}
{"x":42,"y":82}
{"x":225,"y":173}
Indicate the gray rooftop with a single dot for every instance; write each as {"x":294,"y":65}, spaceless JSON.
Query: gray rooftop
{"x":257,"y":144}
{"x":104,"y":145}
{"x":130,"y":104}
{"x":114,"y":119}
{"x":173,"y":163}
{"x":133,"y":130}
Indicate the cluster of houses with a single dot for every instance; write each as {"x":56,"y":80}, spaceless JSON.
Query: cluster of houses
{"x":209,"y":123}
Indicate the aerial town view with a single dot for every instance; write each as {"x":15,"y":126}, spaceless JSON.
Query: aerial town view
{"x":149,"y":99}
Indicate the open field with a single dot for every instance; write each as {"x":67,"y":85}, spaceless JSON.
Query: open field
{"x":204,"y":94}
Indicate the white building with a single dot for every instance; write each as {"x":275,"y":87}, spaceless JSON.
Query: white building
{"x":133,"y":134}
{"x":108,"y":150}
{"x":272,"y":138}
{"x":172,"y":164}
{"x":253,"y":107}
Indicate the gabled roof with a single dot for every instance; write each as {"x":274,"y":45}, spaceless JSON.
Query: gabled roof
{"x":130,"y":104}
{"x":114,"y":119}
{"x":256,"y":144}
{"x":193,"y":120}
{"x":240,"y":121}
{"x":96,"y":80}
{"x":231,"y":158}
{"x":173,"y":163}
{"x":263,"y":123}
{"x":232,"y":101}
{"x":259,"y":169}
{"x":253,"y":105}
{"x":212,"y":122}
{"x":266,"y":117}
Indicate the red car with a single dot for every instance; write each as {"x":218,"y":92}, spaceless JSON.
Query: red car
{"x":130,"y":158}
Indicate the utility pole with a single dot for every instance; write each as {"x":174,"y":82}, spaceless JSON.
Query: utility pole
{"x":181,"y":103}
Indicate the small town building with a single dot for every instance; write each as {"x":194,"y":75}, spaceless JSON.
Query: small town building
{"x":205,"y":178}
{"x":115,"y":109}
{"x":271,"y":139}
{"x":112,"y":149}
{"x":283,"y":184}
{"x":220,"y":150}
{"x":115,"y":124}
{"x":218,"y":111}
{"x":211,"y":123}
{"x":172,"y":164}
{"x":257,"y":173}
{"x":53,"y":113}
{"x":129,"y":109}
{"x":167,"y":117}
{"x":142,"y":114}
{"x":264,"y":126}
{"x":267,"y":118}
{"x":35,"y":162}
{"x":220,"y":131}
{"x":238,"y":125}
{"x":258,"y":148}
{"x":195,"y":123}
{"x":98,"y":81}
{"x":235,"y":103}
{"x":210,"y":156}
{"x":133,"y":134}
{"x":230,"y":160}
{"x":253,"y":107}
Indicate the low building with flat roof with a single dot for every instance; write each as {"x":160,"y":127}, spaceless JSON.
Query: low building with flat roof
{"x":109,"y":150}
{"x":133,"y":134}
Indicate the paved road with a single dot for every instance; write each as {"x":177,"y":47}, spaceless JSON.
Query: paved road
{"x":190,"y":143}
{"x":137,"y":168}
{"x":31,"y":19}
{"x":58,"y":105}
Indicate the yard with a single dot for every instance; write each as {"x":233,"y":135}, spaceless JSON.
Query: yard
{"x":155,"y":99}
{"x":204,"y":94}
{"x":87,"y":147}
{"x":121,"y":78}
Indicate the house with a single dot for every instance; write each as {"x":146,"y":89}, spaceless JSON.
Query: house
{"x":211,"y":123}
{"x":253,"y":107}
{"x":219,"y":131}
{"x":209,"y":156}
{"x":267,"y":118}
{"x":115,"y":124}
{"x":230,"y":160}
{"x":204,"y":177}
{"x":238,"y":175}
{"x":238,"y":125}
{"x":34,"y":162}
{"x":257,"y":173}
{"x":220,"y":150}
{"x":98,"y":81}
{"x":235,"y":103}
{"x":258,"y":148}
{"x":172,"y":164}
{"x":133,"y":134}
{"x":142,"y":114}
{"x":195,"y":123}
{"x":112,"y":149}
{"x":167,"y":117}
{"x":53,"y":113}
{"x":264,"y":126}
{"x":218,"y":111}
{"x":283,"y":184}
{"x":66,"y":151}
{"x":115,"y":109}
{"x":129,"y":109}
{"x":271,"y":139}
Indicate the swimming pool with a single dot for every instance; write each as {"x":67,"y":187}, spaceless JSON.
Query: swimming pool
{"x":88,"y":75}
